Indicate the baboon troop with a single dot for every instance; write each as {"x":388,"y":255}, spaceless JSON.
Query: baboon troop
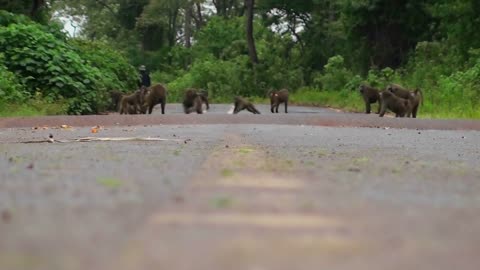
{"x":395,"y":98}
{"x":399,"y":100}
{"x":193,"y":101}
{"x":243,"y":104}
{"x":142,"y":100}
{"x":370,"y":95}
{"x":277,"y":98}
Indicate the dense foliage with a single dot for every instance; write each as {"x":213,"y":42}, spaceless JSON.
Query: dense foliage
{"x":321,"y":50}
{"x":49,"y":65}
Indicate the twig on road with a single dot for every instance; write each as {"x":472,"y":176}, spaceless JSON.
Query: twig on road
{"x":104,"y":139}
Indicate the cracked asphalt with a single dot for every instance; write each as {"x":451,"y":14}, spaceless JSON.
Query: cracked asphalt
{"x":314,"y":189}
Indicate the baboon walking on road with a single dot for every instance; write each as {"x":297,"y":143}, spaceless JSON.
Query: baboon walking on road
{"x":156,"y":94}
{"x":243,"y":104}
{"x":370,"y":95}
{"x":278,"y":97}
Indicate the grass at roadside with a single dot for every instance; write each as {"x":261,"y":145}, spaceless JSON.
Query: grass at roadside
{"x":32,"y":108}
{"x":352,"y":101}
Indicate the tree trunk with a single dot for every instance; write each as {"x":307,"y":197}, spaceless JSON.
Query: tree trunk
{"x":199,"y":21}
{"x":252,"y":51}
{"x":172,"y":31}
{"x":221,"y":7}
{"x":188,"y":24}
{"x":36,"y":5}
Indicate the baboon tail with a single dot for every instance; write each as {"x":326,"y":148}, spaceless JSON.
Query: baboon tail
{"x":418,"y":91}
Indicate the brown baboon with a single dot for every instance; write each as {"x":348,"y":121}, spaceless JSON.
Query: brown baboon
{"x":399,"y":106}
{"x":156,"y":94}
{"x":193,"y":101}
{"x":242,"y":104}
{"x":416,"y":97}
{"x":204,"y":96}
{"x":116,"y":97}
{"x":144,"y":92}
{"x":370,"y":95}
{"x":130,"y":104}
{"x":278,"y":97}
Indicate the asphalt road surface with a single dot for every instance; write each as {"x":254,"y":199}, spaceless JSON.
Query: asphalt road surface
{"x":314,"y":189}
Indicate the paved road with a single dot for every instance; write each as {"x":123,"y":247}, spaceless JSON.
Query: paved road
{"x":240,"y":195}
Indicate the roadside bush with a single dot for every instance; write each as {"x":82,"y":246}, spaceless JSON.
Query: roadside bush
{"x":335,"y":75}
{"x":222,"y":79}
{"x":458,"y":93}
{"x":50,"y":66}
{"x":10,"y":88}
{"x":381,"y":78}
{"x":116,"y":72}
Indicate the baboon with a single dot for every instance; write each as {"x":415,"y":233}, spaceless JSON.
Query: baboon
{"x":144,"y":92}
{"x":204,"y":96}
{"x":192,"y":101}
{"x":242,"y":104}
{"x":278,"y":97}
{"x":416,"y":97}
{"x":370,"y":95}
{"x":399,"y":106}
{"x":156,"y":94}
{"x":116,"y":97}
{"x":130,"y":104}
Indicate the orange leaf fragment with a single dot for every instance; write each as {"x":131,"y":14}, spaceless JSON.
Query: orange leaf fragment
{"x":95,"y":129}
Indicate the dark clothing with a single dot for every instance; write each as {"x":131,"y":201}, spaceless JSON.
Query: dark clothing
{"x":144,"y":79}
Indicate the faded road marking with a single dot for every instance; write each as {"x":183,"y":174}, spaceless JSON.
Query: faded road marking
{"x":271,"y":221}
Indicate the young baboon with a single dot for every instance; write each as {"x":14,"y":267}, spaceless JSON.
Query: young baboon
{"x":370,"y":95}
{"x":415,"y":97}
{"x":116,"y":97}
{"x":144,"y":92}
{"x":278,"y":97}
{"x":130,"y":104}
{"x":397,"y":105}
{"x":156,"y":94}
{"x":242,"y":104}
{"x":192,"y":101}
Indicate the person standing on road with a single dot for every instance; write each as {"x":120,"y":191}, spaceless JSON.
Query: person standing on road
{"x":144,"y":77}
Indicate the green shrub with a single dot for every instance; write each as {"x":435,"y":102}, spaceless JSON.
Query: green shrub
{"x":50,"y":66}
{"x":222,"y":79}
{"x":335,"y":75}
{"x":10,"y":88}
{"x":381,"y":78}
{"x":81,"y":72}
{"x":458,"y":94}
{"x":116,"y":72}
{"x":219,"y":37}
